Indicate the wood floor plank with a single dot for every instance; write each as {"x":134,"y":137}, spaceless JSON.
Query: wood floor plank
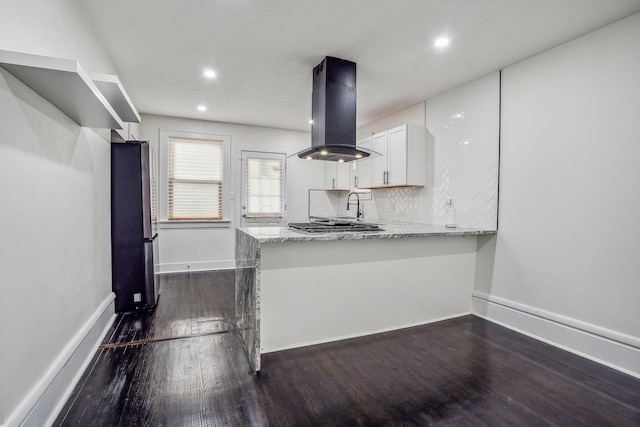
{"x":594,"y":376}
{"x":189,"y":304}
{"x":513,"y":379}
{"x":464,"y":371}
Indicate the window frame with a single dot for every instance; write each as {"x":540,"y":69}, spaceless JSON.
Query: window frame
{"x":165,"y":222}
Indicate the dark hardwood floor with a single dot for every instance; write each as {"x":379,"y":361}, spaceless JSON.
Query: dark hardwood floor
{"x":183,"y":365}
{"x":194,"y":304}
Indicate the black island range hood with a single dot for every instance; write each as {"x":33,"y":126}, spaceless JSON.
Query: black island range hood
{"x":333,"y":109}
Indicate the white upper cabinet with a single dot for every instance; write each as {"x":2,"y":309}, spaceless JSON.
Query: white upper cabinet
{"x":404,"y":157}
{"x":336,"y":176}
{"x":397,"y":160}
{"x":362,"y":168}
{"x":380,"y":144}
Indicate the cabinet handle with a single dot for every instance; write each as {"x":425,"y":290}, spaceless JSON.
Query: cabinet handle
{"x":355,"y":181}
{"x":334,"y":183}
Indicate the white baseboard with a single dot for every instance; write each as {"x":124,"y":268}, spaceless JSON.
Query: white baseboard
{"x":183,"y":267}
{"x":46,"y":399}
{"x":607,"y":347}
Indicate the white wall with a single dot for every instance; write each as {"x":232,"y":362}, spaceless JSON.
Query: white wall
{"x":411,"y":116}
{"x":567,"y":246}
{"x":55,"y":262}
{"x":59,"y":28}
{"x":212,"y":248}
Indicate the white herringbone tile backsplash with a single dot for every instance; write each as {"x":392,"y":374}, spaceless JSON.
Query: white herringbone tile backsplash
{"x":328,"y":203}
{"x":464,"y":123}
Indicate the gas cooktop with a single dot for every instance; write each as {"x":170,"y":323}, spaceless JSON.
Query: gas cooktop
{"x":327,"y":226}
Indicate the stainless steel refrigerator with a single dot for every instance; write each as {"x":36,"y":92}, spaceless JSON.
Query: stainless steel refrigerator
{"x":134,"y":229}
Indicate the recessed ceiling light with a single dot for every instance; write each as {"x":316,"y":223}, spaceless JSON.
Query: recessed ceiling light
{"x":340,"y":160}
{"x":202,"y":108}
{"x":442,"y":42}
{"x":209,"y":73}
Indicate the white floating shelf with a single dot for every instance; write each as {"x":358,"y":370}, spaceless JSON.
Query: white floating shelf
{"x":113,"y":90}
{"x":65,"y":84}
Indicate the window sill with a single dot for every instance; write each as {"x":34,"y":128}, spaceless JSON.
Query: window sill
{"x":224,"y":223}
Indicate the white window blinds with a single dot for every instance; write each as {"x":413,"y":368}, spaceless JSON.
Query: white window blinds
{"x":195,"y":179}
{"x":264,"y":187}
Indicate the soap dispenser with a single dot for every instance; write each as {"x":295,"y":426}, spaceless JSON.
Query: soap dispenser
{"x":451,"y":218}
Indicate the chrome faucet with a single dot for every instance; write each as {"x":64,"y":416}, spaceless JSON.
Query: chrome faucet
{"x":358,"y":211}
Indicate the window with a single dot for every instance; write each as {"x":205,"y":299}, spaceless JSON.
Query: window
{"x":195,"y":179}
{"x":263,"y":187}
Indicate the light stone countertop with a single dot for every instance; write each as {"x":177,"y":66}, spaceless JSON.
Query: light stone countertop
{"x":391,"y":230}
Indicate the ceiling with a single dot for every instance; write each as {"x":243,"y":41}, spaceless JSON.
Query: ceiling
{"x":263,"y":51}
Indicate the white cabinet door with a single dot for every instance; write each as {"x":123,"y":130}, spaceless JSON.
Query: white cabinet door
{"x":397,"y":156}
{"x":329,"y":175}
{"x":379,"y":164}
{"x":342,"y":176}
{"x":336,"y":176}
{"x":363,"y":167}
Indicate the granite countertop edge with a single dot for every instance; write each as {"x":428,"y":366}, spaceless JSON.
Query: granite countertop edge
{"x":391,"y":230}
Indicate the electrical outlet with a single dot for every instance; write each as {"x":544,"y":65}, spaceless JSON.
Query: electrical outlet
{"x":137,"y":297}
{"x":391,"y":206}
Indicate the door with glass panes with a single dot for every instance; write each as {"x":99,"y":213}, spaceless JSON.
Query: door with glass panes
{"x":263,"y":189}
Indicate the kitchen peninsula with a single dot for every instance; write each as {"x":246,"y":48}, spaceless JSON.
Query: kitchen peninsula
{"x":295,"y":289}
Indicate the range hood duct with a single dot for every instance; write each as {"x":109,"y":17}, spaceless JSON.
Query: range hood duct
{"x":333,"y":110}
